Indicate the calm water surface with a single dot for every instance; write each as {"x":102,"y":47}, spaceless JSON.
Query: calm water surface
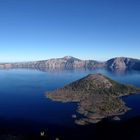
{"x":22,"y":94}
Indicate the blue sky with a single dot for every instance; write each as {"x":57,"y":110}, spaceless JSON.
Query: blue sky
{"x":88,"y":29}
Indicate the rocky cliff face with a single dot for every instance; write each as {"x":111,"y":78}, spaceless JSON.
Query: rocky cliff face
{"x":71,"y":63}
{"x":67,"y":62}
{"x":123,"y":63}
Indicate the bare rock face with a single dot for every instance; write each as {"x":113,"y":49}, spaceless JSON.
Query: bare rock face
{"x":65,"y":63}
{"x":69,"y":62}
{"x":122,"y":63}
{"x":117,"y":64}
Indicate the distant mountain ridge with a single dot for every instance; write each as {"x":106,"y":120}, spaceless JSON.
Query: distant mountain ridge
{"x":69,"y":62}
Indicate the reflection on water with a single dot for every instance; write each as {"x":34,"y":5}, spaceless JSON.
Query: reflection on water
{"x":24,"y":109}
{"x":22,"y":93}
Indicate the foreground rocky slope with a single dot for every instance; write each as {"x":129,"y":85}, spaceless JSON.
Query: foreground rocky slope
{"x":97,"y":97}
{"x":71,"y":63}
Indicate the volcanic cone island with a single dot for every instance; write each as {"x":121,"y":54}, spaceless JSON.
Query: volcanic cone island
{"x":97,"y":97}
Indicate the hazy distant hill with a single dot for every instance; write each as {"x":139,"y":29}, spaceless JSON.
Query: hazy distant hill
{"x":72,"y":63}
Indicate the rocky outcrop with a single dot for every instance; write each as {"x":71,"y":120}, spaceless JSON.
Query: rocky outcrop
{"x":69,"y":62}
{"x":97,"y":96}
{"x":123,"y":63}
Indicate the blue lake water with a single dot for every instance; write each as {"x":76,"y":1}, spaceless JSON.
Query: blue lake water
{"x":22,"y":94}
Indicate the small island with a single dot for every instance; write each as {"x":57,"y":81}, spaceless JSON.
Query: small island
{"x":97,"y":97}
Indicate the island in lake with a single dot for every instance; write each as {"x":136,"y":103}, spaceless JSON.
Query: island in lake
{"x":97,"y":96}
